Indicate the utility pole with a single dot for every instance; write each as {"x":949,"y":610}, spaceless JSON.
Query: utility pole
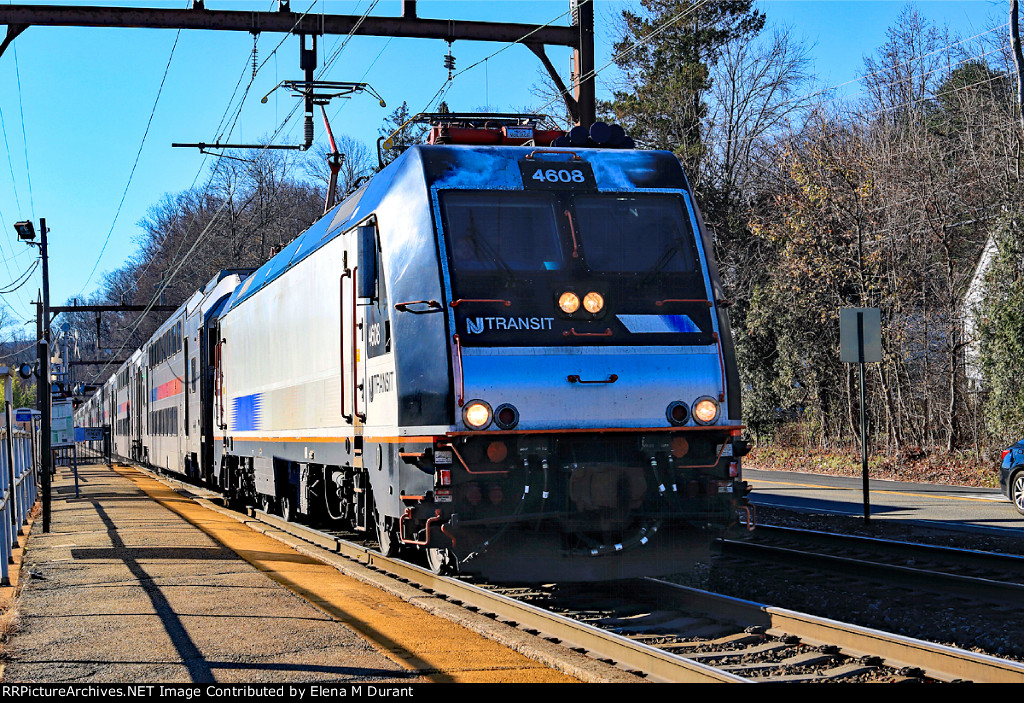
{"x":26,"y":233}
{"x":44,"y":370}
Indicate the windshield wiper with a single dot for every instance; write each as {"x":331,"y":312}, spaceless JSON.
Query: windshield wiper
{"x":666,"y":256}
{"x":483,"y":245}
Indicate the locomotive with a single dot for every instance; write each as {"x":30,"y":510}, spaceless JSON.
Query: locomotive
{"x":515,"y":360}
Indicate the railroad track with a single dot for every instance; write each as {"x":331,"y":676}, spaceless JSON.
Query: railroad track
{"x":658,"y":631}
{"x":994,"y":577}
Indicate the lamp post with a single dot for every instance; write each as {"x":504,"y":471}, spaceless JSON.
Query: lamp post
{"x":26,"y":233}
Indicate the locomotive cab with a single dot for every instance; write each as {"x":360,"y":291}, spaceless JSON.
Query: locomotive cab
{"x":591,"y":414}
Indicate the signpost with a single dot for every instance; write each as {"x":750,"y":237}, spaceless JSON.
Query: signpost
{"x":89,"y":434}
{"x":860,"y":342}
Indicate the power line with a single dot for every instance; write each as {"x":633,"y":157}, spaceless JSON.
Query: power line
{"x":24,"y":137}
{"x":20,"y":280}
{"x":138,"y":155}
{"x":443,"y":90}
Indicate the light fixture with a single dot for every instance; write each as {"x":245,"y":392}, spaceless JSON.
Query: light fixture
{"x":477,"y":414}
{"x":677,"y":413}
{"x":25,"y":230}
{"x":593,"y":302}
{"x":569,"y":302}
{"x":705,"y":410}
{"x":506,"y":416}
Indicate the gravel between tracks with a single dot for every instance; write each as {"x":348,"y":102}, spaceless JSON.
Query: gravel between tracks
{"x":995,"y":631}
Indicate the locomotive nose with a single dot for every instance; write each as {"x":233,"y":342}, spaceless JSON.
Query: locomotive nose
{"x":614,"y":487}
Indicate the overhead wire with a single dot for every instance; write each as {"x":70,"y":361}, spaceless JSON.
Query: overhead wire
{"x":220,"y":133}
{"x":213,"y":220}
{"x":20,"y":280}
{"x":632,"y":47}
{"x":449,"y":81}
{"x":135,"y":165}
{"x":24,"y":136}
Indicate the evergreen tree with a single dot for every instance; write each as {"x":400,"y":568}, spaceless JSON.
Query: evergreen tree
{"x":666,"y":53}
{"x":398,"y":134}
{"x":1000,"y":332}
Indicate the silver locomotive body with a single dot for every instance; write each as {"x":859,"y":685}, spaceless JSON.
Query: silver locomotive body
{"x":512,"y":360}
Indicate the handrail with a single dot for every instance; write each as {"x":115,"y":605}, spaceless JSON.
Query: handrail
{"x":572,"y":332}
{"x":572,"y":231}
{"x":460,"y":301}
{"x":574,"y":378}
{"x":432,"y":306}
{"x":462,"y":380}
{"x":355,"y":350}
{"x":341,"y":325}
{"x":575,"y":156}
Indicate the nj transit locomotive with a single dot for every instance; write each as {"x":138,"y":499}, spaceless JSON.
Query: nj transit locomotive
{"x":512,"y":359}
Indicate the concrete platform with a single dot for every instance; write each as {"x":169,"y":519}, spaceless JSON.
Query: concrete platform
{"x":135,"y":583}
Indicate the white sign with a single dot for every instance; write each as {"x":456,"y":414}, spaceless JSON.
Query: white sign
{"x":860,"y":328}
{"x":62,"y":424}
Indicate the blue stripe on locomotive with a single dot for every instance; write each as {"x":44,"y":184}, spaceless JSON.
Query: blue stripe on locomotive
{"x":247,"y":412}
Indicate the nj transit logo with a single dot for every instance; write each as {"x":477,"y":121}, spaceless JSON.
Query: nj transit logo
{"x":479,"y":324}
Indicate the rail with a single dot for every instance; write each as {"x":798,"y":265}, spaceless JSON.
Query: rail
{"x":18,"y":469}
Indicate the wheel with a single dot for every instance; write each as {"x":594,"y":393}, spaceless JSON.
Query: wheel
{"x":266,"y":503}
{"x":1017,"y":491}
{"x":441,"y":561}
{"x":287,"y":508}
{"x":386,"y":537}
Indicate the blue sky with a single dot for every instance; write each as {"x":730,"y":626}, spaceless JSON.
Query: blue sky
{"x":74,"y":125}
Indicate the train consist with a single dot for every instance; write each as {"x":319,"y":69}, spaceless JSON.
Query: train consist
{"x":513,"y":359}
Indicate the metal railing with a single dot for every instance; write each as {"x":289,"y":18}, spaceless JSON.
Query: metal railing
{"x":18,"y":470}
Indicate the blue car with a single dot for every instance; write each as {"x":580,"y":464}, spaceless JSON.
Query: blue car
{"x":1011,"y":475}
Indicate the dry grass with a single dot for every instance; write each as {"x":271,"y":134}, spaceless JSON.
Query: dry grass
{"x":9,"y":610}
{"x":8,"y":621}
{"x":918,"y":466}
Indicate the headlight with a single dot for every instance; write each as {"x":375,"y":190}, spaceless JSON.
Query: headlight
{"x":476,"y":414}
{"x":677,"y":412}
{"x":506,"y":416}
{"x":705,"y":410}
{"x":569,"y":302}
{"x":593,"y":302}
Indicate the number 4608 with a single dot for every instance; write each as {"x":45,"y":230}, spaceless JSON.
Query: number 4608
{"x":558,"y":175}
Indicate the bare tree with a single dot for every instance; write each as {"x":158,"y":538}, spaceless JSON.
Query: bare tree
{"x":760,"y":91}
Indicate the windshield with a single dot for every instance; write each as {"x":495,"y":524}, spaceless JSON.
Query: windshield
{"x":502,"y":231}
{"x":628,"y":233}
{"x":513,"y":256}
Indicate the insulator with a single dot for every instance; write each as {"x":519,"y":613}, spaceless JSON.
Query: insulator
{"x":449,"y":62}
{"x":309,"y":129}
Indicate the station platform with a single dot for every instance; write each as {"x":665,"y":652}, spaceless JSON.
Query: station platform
{"x":137,"y":583}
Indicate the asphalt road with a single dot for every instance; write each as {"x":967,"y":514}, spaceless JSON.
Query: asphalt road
{"x":946,"y":507}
